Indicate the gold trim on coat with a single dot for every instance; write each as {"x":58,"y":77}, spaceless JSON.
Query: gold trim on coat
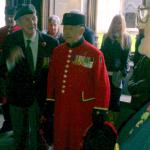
{"x":50,"y":99}
{"x":87,"y":99}
{"x":100,"y":108}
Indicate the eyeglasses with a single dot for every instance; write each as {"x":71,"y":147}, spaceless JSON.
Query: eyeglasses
{"x":143,"y":14}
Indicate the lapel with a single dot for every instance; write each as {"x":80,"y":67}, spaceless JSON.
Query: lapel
{"x":40,"y":56}
{"x":20,"y":40}
{"x":41,"y":48}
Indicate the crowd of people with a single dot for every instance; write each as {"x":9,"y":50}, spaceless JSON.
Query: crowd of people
{"x":58,"y":90}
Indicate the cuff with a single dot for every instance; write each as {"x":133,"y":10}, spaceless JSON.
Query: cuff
{"x":50,"y":99}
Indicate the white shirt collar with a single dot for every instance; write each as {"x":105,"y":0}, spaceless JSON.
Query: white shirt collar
{"x":33,"y":38}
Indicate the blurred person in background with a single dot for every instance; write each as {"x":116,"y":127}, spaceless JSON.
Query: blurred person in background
{"x":9,"y":28}
{"x":115,"y":46}
{"x":90,"y":36}
{"x":135,"y":135}
{"x":54,"y":28}
{"x":10,"y":24}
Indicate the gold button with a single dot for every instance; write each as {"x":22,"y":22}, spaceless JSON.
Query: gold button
{"x":63,"y":86}
{"x":68,"y":61}
{"x":69,"y":56}
{"x":70,"y":50}
{"x":65,"y":76}
{"x":64,"y":81}
{"x":62,"y":91}
{"x":67,"y":66}
{"x":66,"y":71}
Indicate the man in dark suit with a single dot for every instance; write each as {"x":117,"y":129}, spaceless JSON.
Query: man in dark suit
{"x":26,"y":55}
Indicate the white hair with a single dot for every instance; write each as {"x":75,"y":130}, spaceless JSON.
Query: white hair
{"x":54,"y":19}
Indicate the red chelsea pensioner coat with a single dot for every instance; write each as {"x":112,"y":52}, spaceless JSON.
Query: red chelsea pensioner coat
{"x":77,"y":81}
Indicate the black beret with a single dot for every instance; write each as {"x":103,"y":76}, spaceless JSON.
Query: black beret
{"x":73,"y":19}
{"x":24,"y":10}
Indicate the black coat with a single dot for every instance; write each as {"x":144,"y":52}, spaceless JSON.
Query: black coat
{"x":139,"y":83}
{"x":115,"y":56}
{"x":89,"y":35}
{"x":24,"y":87}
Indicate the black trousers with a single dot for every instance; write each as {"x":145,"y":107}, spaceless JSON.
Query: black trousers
{"x":6,"y":114}
{"x":114,"y":97}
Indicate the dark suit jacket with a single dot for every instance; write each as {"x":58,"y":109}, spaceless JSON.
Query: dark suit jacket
{"x":24,"y":87}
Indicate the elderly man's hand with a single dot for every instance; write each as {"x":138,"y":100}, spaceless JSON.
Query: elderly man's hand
{"x":15,"y":55}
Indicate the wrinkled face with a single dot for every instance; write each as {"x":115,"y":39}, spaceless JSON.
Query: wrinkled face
{"x":72,"y":33}
{"x":28,"y":23}
{"x":53,"y":28}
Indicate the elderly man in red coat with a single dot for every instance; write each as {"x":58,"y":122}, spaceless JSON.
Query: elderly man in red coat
{"x":77,"y":82}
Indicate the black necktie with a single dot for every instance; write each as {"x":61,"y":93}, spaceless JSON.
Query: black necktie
{"x":29,"y":55}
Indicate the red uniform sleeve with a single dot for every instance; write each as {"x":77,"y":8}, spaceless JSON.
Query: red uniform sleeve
{"x":101,"y":79}
{"x":50,"y":81}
